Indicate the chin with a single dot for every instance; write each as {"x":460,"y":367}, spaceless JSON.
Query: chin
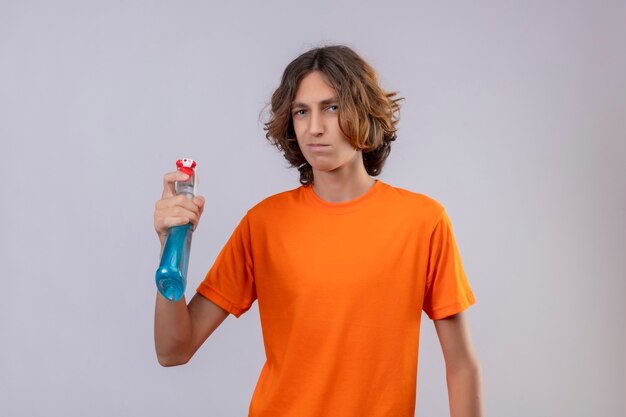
{"x":324,"y":167}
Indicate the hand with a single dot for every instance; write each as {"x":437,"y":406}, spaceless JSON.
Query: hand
{"x":175,"y":210}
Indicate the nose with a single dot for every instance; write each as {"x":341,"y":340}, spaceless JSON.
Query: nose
{"x":316,"y":124}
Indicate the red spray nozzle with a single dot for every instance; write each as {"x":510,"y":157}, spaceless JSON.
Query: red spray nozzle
{"x":186,"y":165}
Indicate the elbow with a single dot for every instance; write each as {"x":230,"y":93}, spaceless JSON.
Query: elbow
{"x":172,"y":352}
{"x":167,"y":361}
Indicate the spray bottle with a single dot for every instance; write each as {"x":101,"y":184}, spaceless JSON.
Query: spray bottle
{"x":171,"y":277}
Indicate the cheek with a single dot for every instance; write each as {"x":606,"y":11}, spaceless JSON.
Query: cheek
{"x":298,"y":130}
{"x":347,"y":148}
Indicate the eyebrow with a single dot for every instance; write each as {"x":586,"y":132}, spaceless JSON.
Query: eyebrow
{"x":297,"y":104}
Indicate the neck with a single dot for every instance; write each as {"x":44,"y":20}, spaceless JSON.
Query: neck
{"x":342,"y":185}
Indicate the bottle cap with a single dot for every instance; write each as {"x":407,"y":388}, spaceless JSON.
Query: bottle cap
{"x":186,"y":165}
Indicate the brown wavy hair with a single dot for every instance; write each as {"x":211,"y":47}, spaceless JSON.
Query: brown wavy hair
{"x":367,"y":115}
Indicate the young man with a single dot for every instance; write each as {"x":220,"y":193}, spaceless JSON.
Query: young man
{"x":341,"y":266}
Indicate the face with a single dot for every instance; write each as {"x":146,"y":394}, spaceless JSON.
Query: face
{"x":315,"y":115}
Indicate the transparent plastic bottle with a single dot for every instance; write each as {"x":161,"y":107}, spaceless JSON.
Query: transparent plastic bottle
{"x":171,"y":276}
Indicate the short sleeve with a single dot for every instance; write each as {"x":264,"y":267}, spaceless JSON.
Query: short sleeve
{"x":447,"y":289}
{"x":230,"y":281}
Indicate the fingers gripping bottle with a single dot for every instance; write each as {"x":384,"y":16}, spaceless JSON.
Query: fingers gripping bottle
{"x":171,"y":277}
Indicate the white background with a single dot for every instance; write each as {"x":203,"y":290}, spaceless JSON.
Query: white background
{"x":513,"y":120}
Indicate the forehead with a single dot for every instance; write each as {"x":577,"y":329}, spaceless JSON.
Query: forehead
{"x":313,"y":88}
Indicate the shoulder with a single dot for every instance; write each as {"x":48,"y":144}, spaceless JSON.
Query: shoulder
{"x":414,"y":201}
{"x":276,"y":202}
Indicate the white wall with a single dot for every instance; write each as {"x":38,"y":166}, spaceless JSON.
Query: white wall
{"x":513,"y":119}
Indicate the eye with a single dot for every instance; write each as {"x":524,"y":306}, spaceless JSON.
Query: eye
{"x":333,"y":107}
{"x":299,"y":112}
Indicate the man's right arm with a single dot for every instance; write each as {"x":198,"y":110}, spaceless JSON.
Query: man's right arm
{"x":180,"y":329}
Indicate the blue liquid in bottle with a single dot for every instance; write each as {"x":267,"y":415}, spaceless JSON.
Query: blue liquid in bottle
{"x":171,"y":276}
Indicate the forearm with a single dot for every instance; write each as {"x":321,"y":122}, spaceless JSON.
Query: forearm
{"x":465,"y":391}
{"x":172,"y":331}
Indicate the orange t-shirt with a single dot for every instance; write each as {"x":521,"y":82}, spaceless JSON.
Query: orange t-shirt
{"x":340,"y":288}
